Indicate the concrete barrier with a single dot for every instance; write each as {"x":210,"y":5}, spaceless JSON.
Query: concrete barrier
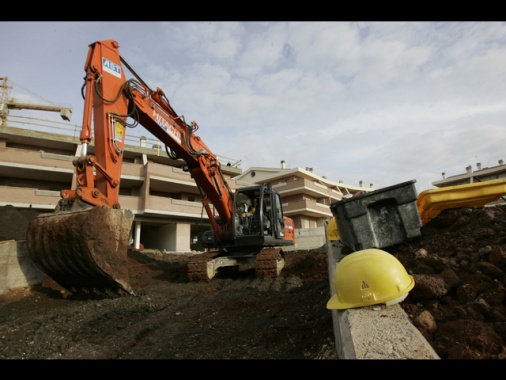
{"x":307,"y":238}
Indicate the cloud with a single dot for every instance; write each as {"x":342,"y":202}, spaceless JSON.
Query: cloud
{"x":381,"y":102}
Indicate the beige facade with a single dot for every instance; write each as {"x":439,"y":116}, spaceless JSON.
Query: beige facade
{"x":35,"y":165}
{"x":306,"y":196}
{"x":478,"y":174}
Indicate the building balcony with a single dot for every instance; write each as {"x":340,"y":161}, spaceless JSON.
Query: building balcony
{"x":307,"y":187}
{"x":307,"y":207}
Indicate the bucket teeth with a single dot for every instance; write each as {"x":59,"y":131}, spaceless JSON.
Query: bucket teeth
{"x":84,"y":251}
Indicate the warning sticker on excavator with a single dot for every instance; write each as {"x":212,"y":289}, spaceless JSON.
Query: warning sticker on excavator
{"x":120,"y":130}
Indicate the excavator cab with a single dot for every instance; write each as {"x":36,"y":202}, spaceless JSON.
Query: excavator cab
{"x":258,"y":222}
{"x":259,"y":230}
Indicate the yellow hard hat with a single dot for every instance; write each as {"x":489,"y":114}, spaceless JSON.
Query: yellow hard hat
{"x":332,"y":231}
{"x":368,"y":277}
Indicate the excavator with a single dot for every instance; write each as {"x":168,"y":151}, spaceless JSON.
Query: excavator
{"x":83,"y":244}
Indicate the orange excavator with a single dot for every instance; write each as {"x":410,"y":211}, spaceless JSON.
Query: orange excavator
{"x":83,"y":244}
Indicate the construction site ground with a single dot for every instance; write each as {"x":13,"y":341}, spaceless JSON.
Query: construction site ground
{"x":458,"y":303}
{"x":169,"y":318}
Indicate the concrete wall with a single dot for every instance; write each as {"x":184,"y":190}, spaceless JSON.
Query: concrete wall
{"x":308,"y":238}
{"x":17,"y":269}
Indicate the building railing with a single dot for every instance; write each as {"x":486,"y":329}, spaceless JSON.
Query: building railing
{"x":74,"y":130}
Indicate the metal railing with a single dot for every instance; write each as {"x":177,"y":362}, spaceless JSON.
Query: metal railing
{"x":74,"y":130}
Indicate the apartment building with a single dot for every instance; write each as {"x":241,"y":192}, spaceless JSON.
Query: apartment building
{"x":306,"y":196}
{"x":480,"y":174}
{"x":35,"y":165}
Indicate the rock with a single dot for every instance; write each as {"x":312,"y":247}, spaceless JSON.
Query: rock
{"x":428,"y":286}
{"x":426,"y":321}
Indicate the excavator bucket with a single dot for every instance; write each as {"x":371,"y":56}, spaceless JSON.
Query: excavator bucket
{"x":84,"y":251}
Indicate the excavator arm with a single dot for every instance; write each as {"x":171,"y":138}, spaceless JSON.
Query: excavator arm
{"x":110,"y":102}
{"x":153,"y":111}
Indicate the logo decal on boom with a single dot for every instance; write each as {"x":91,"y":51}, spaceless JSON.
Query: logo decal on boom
{"x":167,"y":127}
{"x":111,"y":67}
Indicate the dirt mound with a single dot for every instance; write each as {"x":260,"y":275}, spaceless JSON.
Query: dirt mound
{"x":459,"y":299}
{"x":14,"y":222}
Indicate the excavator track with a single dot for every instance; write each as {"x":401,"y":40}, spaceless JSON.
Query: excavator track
{"x":268,"y":264}
{"x":199,"y":267}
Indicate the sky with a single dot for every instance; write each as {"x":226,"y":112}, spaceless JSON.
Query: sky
{"x":374,"y":102}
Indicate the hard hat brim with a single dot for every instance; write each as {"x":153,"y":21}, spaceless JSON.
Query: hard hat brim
{"x":335,"y":304}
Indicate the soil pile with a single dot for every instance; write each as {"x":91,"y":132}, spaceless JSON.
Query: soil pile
{"x":459,"y":298}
